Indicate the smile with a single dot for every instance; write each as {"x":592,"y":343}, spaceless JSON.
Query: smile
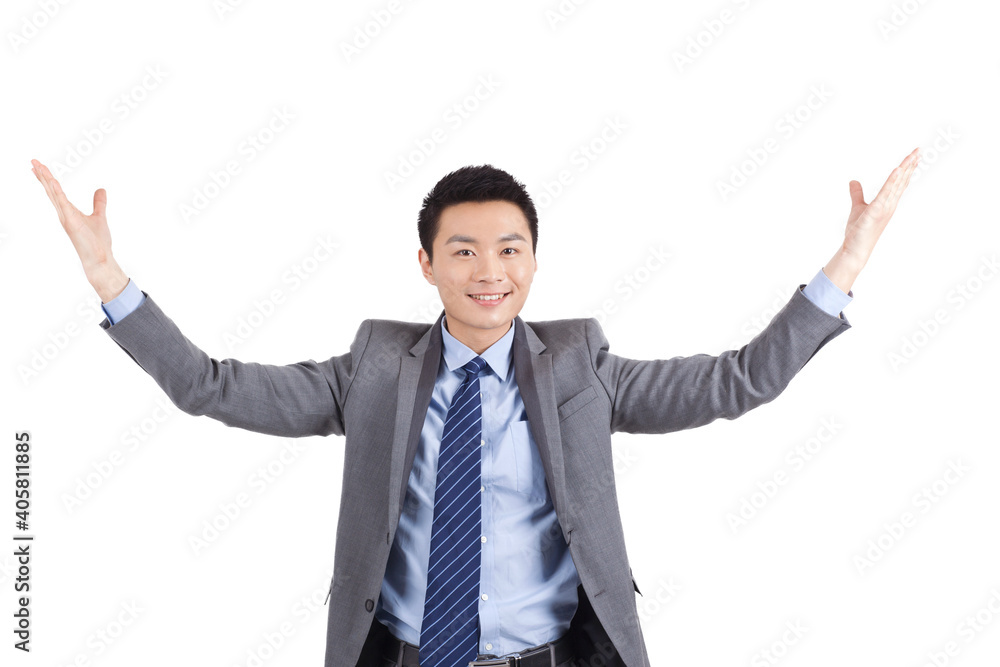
{"x":489,"y":299}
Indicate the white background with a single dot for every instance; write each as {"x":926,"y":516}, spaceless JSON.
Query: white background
{"x":896,"y":76}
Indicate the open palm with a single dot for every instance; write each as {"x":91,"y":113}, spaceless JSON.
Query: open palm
{"x":89,"y":233}
{"x":867,"y":221}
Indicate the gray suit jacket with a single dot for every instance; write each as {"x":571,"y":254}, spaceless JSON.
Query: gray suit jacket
{"x":576,"y":394}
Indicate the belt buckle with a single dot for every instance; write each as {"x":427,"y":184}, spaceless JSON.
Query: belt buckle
{"x":513,"y":661}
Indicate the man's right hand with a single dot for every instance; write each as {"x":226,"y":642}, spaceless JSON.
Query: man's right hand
{"x":89,"y":233}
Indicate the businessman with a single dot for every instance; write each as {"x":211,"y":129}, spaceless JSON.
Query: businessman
{"x":479,"y":522}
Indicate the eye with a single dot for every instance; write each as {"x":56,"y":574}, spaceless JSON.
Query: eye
{"x":463,"y":250}
{"x":514,"y":249}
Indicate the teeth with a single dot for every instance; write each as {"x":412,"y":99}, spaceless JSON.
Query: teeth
{"x":495,"y":297}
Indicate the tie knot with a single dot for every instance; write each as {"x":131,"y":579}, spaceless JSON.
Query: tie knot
{"x":474,"y":367}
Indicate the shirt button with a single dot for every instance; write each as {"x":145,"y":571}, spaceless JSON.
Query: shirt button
{"x":483,"y":539}
{"x":482,"y":488}
{"x":485,"y":596}
{"x":489,"y":646}
{"x":482,"y":442}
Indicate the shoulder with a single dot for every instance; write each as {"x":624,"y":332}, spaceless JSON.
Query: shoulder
{"x":395,"y":334}
{"x":571,"y":333}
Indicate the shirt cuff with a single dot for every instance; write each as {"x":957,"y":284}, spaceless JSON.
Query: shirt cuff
{"x":822,"y":292}
{"x":123,"y":304}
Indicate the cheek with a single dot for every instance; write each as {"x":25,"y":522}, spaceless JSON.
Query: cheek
{"x":522,"y":277}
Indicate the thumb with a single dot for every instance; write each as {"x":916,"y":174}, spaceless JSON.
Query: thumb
{"x":100,"y":201}
{"x":857,"y":197}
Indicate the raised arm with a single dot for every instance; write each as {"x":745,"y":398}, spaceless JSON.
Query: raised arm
{"x":306,"y":398}
{"x":295,"y":400}
{"x":661,"y":395}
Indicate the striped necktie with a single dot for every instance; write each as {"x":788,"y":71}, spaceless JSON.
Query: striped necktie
{"x":449,"y":634}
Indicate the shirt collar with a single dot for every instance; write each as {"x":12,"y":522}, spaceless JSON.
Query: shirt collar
{"x":497,"y":356}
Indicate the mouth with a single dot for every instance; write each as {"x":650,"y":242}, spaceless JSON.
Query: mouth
{"x":489,"y":300}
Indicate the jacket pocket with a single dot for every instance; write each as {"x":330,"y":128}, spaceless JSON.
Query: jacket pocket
{"x":575,"y":402}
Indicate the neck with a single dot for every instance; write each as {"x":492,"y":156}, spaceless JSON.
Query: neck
{"x":477,"y":340}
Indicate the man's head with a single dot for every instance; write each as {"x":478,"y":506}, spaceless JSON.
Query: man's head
{"x":478,"y":233}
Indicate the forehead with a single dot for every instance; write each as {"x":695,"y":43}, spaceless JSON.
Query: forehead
{"x":482,"y":221}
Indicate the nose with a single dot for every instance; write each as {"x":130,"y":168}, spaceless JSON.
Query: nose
{"x":489,"y":268}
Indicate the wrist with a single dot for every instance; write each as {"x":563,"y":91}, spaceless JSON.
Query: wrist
{"x":108,"y":280}
{"x":843,"y":270}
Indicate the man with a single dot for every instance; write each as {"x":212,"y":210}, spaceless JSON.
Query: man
{"x":479,"y":518}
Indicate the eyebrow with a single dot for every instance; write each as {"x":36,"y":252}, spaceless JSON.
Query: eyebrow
{"x":462,"y":238}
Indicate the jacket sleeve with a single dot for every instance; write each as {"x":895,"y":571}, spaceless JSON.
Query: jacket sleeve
{"x":301,"y":399}
{"x":663,"y":395}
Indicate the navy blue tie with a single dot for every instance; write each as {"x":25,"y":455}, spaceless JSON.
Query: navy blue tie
{"x":449,"y":634}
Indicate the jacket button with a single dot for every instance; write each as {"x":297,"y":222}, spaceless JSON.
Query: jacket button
{"x":369,"y":604}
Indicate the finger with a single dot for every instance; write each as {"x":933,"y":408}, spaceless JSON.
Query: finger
{"x":100,"y":202}
{"x":40,"y":174}
{"x":900,"y":185}
{"x":62,"y":202}
{"x":909,"y":174}
{"x":897,"y":190}
{"x":909,"y":158}
{"x":879,"y":203}
{"x":911,"y":164}
{"x":857,"y":195}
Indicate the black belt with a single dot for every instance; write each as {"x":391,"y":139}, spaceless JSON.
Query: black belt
{"x":545,"y":655}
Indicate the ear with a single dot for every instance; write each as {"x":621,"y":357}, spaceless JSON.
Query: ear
{"x":425,"y":266}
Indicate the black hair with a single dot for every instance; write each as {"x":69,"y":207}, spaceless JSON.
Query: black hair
{"x":473,"y":184}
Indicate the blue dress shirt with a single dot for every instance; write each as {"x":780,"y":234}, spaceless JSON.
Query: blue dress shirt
{"x":528,"y":579}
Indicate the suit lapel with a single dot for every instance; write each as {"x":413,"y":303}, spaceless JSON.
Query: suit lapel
{"x":533,"y":372}
{"x":417,"y":374}
{"x":535,"y":381}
